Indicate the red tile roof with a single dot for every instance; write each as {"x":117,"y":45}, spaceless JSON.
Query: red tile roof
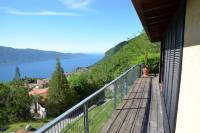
{"x":38,"y":92}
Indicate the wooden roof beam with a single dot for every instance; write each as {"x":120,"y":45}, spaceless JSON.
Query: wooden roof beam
{"x":155,"y":3}
{"x":168,"y":5}
{"x":158,"y":22}
{"x":159,"y":12}
{"x":157,"y":18}
{"x":156,"y":15}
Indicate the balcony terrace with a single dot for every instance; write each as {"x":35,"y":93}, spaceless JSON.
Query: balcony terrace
{"x":141,"y":110}
{"x":130,"y":103}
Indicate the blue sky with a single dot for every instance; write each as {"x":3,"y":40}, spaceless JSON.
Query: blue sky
{"x":86,"y":26}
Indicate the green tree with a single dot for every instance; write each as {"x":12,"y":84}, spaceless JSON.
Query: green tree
{"x":18,"y":105}
{"x":17,"y":74}
{"x":60,"y":96}
{"x":4,"y":95}
{"x":14,"y":105}
{"x":80,"y":83}
{"x":17,"y":82}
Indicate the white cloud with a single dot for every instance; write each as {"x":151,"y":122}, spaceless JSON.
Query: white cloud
{"x":39,"y":13}
{"x":76,"y":4}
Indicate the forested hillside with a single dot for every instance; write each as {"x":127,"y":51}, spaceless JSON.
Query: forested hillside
{"x":123,"y":56}
{"x":116,"y":61}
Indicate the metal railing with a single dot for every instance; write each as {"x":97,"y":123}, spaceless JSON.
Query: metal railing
{"x":90,"y":114}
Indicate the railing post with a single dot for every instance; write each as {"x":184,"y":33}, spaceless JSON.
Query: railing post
{"x":142,"y":66}
{"x":121,"y":89}
{"x":125,"y":84}
{"x":134,"y":74}
{"x":115,"y":96}
{"x":140,"y":71}
{"x":86,"y":121}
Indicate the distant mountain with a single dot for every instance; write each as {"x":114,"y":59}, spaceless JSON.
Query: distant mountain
{"x":115,"y":49}
{"x":10,"y":55}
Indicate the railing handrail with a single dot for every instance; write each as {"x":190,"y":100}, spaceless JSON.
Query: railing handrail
{"x":62,"y":116}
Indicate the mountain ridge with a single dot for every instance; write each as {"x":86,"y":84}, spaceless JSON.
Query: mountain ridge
{"x":9,"y":55}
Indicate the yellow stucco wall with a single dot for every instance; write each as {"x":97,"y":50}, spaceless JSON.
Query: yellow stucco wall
{"x":188,"y":117}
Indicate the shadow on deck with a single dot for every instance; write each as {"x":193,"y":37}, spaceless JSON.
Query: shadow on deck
{"x":140,"y":111}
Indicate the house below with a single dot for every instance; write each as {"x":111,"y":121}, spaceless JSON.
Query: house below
{"x":36,"y":91}
{"x":40,"y":83}
{"x":38,"y":111}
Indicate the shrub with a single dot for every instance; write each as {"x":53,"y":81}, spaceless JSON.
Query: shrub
{"x":80,"y":83}
{"x":18,"y":105}
{"x":4,"y":95}
{"x":153,"y":62}
{"x":15,"y":105}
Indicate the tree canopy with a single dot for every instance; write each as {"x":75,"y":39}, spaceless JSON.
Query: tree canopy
{"x":14,"y":105}
{"x":17,"y":74}
{"x":60,"y":96}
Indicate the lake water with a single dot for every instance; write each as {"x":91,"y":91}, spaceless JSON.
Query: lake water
{"x":45,"y":69}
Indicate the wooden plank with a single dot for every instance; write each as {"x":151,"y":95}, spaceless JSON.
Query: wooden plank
{"x":114,"y":116}
{"x":123,"y":114}
{"x":159,"y":13}
{"x":158,"y":3}
{"x":153,"y":111}
{"x":156,"y":118}
{"x":138,"y":128}
{"x":126,"y":127}
{"x":158,"y":17}
{"x":131,"y":115}
{"x":160,"y":22}
{"x":158,"y":7}
{"x":160,"y":127}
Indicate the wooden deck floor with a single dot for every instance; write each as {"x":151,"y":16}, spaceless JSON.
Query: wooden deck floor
{"x":140,"y":111}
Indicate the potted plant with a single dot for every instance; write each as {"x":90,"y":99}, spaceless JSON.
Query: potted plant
{"x":145,"y":69}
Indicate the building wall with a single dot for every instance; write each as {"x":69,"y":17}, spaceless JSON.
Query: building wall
{"x":188,"y":117}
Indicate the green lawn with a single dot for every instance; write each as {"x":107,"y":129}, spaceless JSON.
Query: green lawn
{"x":20,"y":125}
{"x":99,"y":116}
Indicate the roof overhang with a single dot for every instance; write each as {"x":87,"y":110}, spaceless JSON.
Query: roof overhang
{"x":156,"y":15}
